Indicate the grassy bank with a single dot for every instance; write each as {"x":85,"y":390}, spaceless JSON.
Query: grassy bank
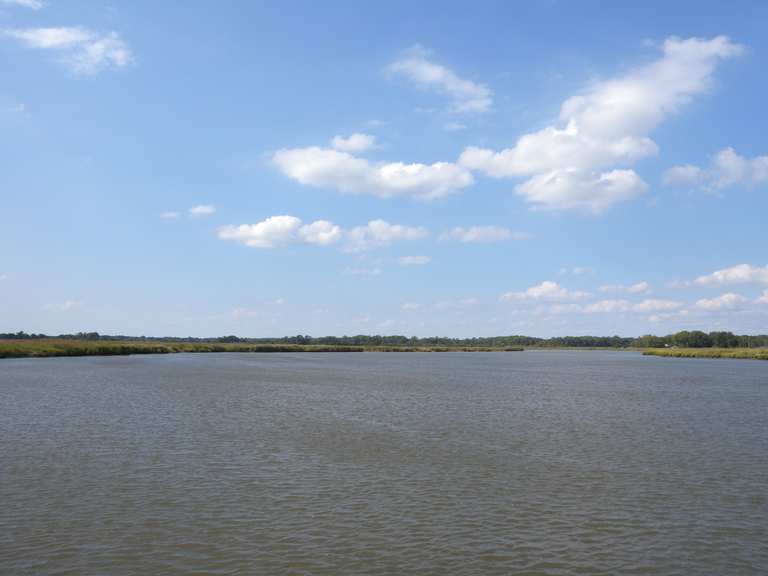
{"x":740,"y":353}
{"x":63,"y":347}
{"x":40,"y":348}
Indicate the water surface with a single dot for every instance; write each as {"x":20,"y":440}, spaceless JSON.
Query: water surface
{"x":331,"y":464}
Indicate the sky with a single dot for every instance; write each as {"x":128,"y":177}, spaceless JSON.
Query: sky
{"x":328,"y":168}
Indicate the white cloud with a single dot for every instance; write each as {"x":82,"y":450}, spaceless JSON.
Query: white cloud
{"x":201,"y":210}
{"x":66,"y":306}
{"x":576,"y":270}
{"x":739,"y":274}
{"x":482,"y":234}
{"x":685,"y":174}
{"x":546,"y":291}
{"x":327,"y":168}
{"x":285,"y":230}
{"x":638,"y":288}
{"x":724,"y":301}
{"x":763,"y":299}
{"x":608,"y":307}
{"x":408,"y":306}
{"x":357,"y":142}
{"x":575,"y":190}
{"x":678,"y":284}
{"x":32,"y":4}
{"x":320,"y":233}
{"x":170,"y":215}
{"x":466,"y":96}
{"x":726,"y":169}
{"x":279,"y":231}
{"x":618,"y":306}
{"x":362,"y":271}
{"x":654,"y":305}
{"x":379,"y":233}
{"x":668,"y":316}
{"x":414,"y":260}
{"x":83,"y":51}
{"x":605,"y":126}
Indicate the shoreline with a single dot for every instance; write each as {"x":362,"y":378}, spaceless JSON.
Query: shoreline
{"x":58,"y":348}
{"x":728,"y":353}
{"x":52,"y":348}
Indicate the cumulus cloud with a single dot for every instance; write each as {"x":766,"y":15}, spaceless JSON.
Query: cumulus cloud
{"x":362,"y":271}
{"x":763,"y":299}
{"x":201,"y":210}
{"x":724,"y":301}
{"x":683,"y":174}
{"x":655,"y":305}
{"x":638,"y":288}
{"x":414,"y":260}
{"x":667,"y":316}
{"x":32,"y":4}
{"x":379,"y":233}
{"x":83,"y":51}
{"x":576,"y":270}
{"x":574,"y":190}
{"x":607,"y":306}
{"x":482,"y":234}
{"x":546,"y":291}
{"x":285,"y":230}
{"x":579,"y":162}
{"x":170,"y":215}
{"x":279,"y":231}
{"x":726,"y":170}
{"x":329,"y":168}
{"x":739,"y":274}
{"x":466,"y":96}
{"x":357,"y":142}
{"x":618,"y":305}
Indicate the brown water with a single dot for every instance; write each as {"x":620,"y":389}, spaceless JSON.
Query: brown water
{"x":517,"y":463}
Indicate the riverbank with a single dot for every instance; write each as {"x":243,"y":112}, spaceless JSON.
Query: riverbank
{"x":737,"y":353}
{"x":50,"y":347}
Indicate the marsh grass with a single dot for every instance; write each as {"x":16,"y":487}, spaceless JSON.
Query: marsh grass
{"x":739,"y":353}
{"x":45,"y":347}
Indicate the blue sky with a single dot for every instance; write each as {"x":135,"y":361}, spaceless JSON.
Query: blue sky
{"x":274,"y":168}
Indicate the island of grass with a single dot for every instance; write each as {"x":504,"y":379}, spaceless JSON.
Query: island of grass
{"x":738,"y":353}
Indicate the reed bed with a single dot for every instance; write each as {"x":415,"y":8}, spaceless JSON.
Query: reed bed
{"x":739,"y":353}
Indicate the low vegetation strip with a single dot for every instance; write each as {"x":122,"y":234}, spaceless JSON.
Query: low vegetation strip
{"x":40,"y":348}
{"x":59,"y":347}
{"x":740,"y":353}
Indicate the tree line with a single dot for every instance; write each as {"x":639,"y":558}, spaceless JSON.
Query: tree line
{"x":683,"y":339}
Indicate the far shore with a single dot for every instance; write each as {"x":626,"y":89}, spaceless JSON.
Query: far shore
{"x":62,"y":347}
{"x":53,"y":347}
